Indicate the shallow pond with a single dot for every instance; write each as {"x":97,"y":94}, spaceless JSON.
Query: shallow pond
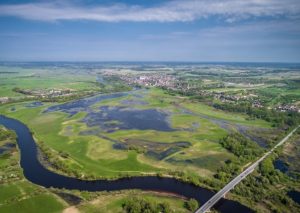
{"x":116,"y":118}
{"x":82,"y":105}
{"x":295,"y":195}
{"x":281,"y":165}
{"x":133,"y":102}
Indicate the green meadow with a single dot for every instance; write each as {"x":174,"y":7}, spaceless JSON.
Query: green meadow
{"x":19,"y":195}
{"x":93,"y":156}
{"x":85,"y":144}
{"x":112,"y":202}
{"x":32,"y":78}
{"x":39,"y":203}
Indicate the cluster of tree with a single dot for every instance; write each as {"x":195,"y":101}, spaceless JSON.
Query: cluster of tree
{"x":261,"y":187}
{"x":49,"y":98}
{"x":142,"y":205}
{"x":269,"y":95}
{"x":289,"y":98}
{"x":257,"y":188}
{"x":268,"y":171}
{"x":74,"y":96}
{"x":137,"y":148}
{"x":113,"y":84}
{"x":241,"y":146}
{"x":245,"y":149}
{"x":228,"y":170}
{"x":278,"y":119}
{"x":191,"y":205}
{"x":56,"y":160}
{"x":196,"y":180}
{"x":19,"y":90}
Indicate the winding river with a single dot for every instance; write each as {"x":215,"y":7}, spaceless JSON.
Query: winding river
{"x":36,"y":173}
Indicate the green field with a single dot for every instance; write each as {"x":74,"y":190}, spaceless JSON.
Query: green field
{"x":113,"y":202}
{"x":39,"y":203}
{"x":17,"y":195}
{"x":91,"y":156}
{"x":189,"y":150}
{"x":32,"y":78}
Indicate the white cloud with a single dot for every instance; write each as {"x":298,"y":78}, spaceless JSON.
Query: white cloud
{"x":178,"y":10}
{"x":263,"y":29}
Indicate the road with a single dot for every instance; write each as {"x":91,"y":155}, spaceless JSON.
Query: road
{"x":212,"y":201}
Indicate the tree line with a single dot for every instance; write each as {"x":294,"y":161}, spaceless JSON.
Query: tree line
{"x":142,"y":205}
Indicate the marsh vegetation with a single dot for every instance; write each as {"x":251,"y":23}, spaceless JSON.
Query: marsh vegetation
{"x":203,"y":126}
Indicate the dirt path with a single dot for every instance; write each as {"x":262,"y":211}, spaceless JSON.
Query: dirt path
{"x":71,"y":209}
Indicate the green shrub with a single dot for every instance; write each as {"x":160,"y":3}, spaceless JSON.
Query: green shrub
{"x":192,"y":205}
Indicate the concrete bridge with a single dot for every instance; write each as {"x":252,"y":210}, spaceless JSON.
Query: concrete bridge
{"x":212,"y":201}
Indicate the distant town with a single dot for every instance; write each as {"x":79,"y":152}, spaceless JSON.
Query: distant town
{"x":169,"y":82}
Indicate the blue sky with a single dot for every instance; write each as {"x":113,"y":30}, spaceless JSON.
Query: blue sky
{"x":150,"y":30}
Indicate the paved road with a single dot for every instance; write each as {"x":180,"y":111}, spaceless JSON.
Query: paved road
{"x":212,"y":201}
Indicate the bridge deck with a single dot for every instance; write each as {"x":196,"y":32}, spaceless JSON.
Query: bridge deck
{"x":213,"y":200}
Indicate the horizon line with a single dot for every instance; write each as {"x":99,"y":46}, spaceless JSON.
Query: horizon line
{"x":144,"y":61}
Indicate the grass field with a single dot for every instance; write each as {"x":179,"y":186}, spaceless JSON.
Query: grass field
{"x":29,"y":78}
{"x":74,"y":141}
{"x":113,"y":202}
{"x":91,"y":155}
{"x":39,"y":203}
{"x":17,"y":195}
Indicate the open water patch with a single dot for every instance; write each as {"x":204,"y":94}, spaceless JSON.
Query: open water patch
{"x":133,"y":102}
{"x":244,"y":130}
{"x":157,"y":150}
{"x":295,"y":195}
{"x":281,"y":166}
{"x":110,"y":119}
{"x":288,"y":166}
{"x":230,"y":127}
{"x":82,"y":105}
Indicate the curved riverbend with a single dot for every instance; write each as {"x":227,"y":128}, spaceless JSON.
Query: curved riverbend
{"x":36,"y":173}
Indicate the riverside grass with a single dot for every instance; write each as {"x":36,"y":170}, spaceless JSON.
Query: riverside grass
{"x":85,"y":152}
